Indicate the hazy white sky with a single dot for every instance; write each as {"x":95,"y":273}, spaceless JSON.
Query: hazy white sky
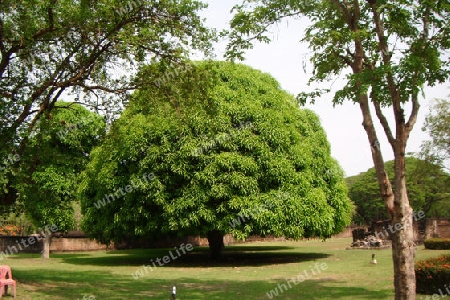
{"x":284,"y":58}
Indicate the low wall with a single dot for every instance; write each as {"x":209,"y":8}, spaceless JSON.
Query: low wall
{"x":444,"y":230}
{"x":384,"y":229}
{"x":422,"y":229}
{"x":346,"y":233}
{"x":77,"y":241}
{"x":34,"y":244}
{"x":437,"y":228}
{"x":76,"y":244}
{"x":17,"y":244}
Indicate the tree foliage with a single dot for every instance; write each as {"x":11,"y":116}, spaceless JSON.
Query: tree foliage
{"x":58,"y":151}
{"x":230,"y":153}
{"x":388,"y":51}
{"x":428,"y":191}
{"x":89,"y":49}
{"x":437,"y":124}
{"x":405,"y":41}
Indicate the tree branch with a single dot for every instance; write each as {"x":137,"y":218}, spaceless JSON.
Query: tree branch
{"x":269,"y":23}
{"x":106,"y":89}
{"x":344,"y":9}
{"x":384,"y":122}
{"x":2,"y":34}
{"x":414,"y":112}
{"x":414,"y":97}
{"x":384,"y":49}
{"x":377,"y":157}
{"x":51,"y":23}
{"x":344,"y":58}
{"x":357,"y":14}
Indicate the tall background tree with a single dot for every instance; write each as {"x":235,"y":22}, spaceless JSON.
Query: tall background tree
{"x":437,"y":124}
{"x":89,"y":49}
{"x":229,"y":152}
{"x":57,"y":153}
{"x":388,"y":52}
{"x":428,"y":188}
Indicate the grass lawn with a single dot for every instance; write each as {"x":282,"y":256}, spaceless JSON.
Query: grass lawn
{"x":248,"y":271}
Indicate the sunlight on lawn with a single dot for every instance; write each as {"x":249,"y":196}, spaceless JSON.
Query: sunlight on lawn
{"x":247,"y":271}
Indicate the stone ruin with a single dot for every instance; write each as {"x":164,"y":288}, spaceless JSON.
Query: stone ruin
{"x":371,"y":242}
{"x":367,"y":240}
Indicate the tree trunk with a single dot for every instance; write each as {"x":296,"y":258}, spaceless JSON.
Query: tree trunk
{"x":46,"y":245}
{"x":397,"y":204}
{"x":403,"y":246}
{"x":216,"y":245}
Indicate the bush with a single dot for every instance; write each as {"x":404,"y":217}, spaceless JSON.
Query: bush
{"x":432,"y":274}
{"x":9,"y":230}
{"x":437,"y":244}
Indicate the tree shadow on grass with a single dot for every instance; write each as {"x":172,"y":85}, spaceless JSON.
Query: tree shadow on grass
{"x":52,"y":255}
{"x":199,"y":257}
{"x":53,"y":284}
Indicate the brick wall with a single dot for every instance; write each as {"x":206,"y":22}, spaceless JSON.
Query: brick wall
{"x":76,"y":244}
{"x":444,"y":230}
{"x":17,"y":244}
{"x":438,"y":228}
{"x":34,"y":244}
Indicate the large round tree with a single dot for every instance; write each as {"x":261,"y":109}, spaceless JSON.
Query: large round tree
{"x":219,"y":148}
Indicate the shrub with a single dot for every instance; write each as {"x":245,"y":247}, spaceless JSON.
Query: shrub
{"x":437,"y":244}
{"x":432,"y":274}
{"x":9,"y":230}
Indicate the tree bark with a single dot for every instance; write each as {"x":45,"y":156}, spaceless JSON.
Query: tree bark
{"x":216,"y":245}
{"x":403,"y":246}
{"x":46,"y":245}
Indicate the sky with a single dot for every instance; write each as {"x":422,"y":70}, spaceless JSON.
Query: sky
{"x":284,"y":59}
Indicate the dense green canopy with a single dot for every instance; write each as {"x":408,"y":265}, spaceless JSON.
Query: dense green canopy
{"x":58,"y":152}
{"x":428,"y":190}
{"x":386,"y":52}
{"x":219,"y":147}
{"x":89,"y":49}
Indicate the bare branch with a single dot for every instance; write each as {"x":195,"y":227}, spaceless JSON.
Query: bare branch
{"x":268,"y":24}
{"x":384,"y":122}
{"x":357,"y":14}
{"x":73,"y":103}
{"x":414,"y":112}
{"x":2,"y":33}
{"x":106,"y":89}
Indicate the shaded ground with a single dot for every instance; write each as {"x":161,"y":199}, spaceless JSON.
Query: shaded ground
{"x":232,"y":257}
{"x":247,"y":272}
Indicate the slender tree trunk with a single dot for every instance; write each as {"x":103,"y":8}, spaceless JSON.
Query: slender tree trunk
{"x":216,"y":245}
{"x":397,"y":204}
{"x":377,"y":157}
{"x":46,"y":245}
{"x":403,"y":246}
